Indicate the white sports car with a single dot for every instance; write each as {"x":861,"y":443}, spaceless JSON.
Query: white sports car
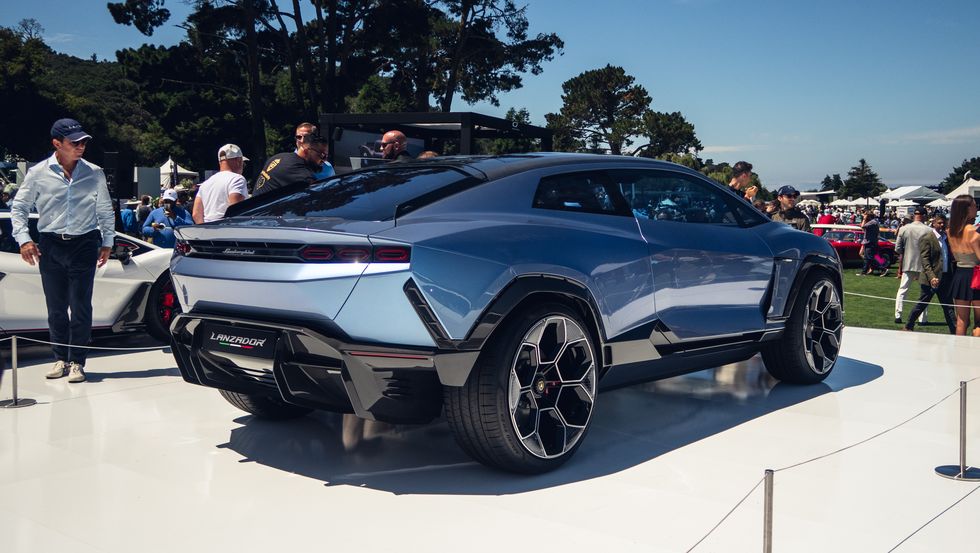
{"x":132,"y":291}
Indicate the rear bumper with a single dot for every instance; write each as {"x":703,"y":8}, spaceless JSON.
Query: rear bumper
{"x":320,"y":368}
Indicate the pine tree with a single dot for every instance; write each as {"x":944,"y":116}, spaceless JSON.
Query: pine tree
{"x":862,"y":182}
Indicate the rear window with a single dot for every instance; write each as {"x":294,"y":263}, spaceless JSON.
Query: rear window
{"x":363,"y":196}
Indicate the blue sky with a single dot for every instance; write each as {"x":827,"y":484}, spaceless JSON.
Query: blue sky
{"x":800,"y":89}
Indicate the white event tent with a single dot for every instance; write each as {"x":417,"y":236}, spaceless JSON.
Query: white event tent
{"x":913,"y":193}
{"x":167,"y":169}
{"x":940,"y":202}
{"x":970,"y":187}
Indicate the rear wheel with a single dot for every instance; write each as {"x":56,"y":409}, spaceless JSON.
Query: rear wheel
{"x":161,"y":308}
{"x":811,"y":341}
{"x":529,"y":400}
{"x":266,"y":407}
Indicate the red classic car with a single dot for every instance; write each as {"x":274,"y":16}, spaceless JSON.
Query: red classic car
{"x":846,"y":239}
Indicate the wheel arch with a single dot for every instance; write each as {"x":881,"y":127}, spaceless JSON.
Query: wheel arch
{"x":814,"y":263}
{"x":456,"y":360}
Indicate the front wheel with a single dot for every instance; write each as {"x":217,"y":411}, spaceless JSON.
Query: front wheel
{"x":527,"y":405}
{"x":811,"y":340}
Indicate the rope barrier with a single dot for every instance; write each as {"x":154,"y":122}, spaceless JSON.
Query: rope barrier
{"x":149,"y":348}
{"x":824,"y":456}
{"x":944,"y":511}
{"x":903,"y":301}
{"x":882,"y":433}
{"x":728,"y":514}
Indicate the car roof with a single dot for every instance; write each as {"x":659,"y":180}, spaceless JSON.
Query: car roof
{"x":495,"y":167}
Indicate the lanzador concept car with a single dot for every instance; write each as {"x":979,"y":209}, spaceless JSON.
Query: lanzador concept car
{"x":503,"y":292}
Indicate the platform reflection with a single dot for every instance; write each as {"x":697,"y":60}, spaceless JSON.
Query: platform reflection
{"x":630,"y":426}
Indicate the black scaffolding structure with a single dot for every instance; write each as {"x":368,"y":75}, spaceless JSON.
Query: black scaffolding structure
{"x":431,"y":127}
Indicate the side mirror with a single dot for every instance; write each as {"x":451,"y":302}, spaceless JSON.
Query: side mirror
{"x":122,"y":252}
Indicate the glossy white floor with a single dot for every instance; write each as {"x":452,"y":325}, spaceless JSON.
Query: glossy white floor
{"x":136,"y":459}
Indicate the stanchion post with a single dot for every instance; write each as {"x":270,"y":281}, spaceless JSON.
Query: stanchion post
{"x":961,"y":472}
{"x":767,"y":514}
{"x":15,"y":402}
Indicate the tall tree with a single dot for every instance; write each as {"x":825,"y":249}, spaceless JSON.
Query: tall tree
{"x":862,"y":182}
{"x":477,"y":62}
{"x":145,"y":15}
{"x":668,"y":133}
{"x":958,"y":175}
{"x":499,"y":146}
{"x":604,"y":106}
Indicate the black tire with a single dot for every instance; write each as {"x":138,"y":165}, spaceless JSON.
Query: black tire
{"x":810,"y":343}
{"x":554,"y":353}
{"x":266,"y":407}
{"x":161,"y":308}
{"x":889,"y":258}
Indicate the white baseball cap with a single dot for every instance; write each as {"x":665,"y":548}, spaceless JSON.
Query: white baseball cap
{"x":170,"y":194}
{"x":230,"y":151}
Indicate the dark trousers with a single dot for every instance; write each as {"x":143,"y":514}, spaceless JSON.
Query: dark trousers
{"x":945,"y":297}
{"x":869,"y":258}
{"x":67,"y":276}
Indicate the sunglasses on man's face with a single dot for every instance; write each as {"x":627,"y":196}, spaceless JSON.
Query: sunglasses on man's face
{"x":80,"y":143}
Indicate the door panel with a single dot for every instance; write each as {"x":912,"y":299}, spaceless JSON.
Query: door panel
{"x":710,"y":273}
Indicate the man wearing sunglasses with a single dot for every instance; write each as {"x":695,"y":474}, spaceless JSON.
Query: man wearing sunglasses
{"x":788,"y":212}
{"x":288,"y":168}
{"x":76,"y":225}
{"x":303,"y":132}
{"x":393,"y":146}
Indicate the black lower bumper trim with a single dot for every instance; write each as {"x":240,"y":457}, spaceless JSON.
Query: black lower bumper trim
{"x":313,"y":369}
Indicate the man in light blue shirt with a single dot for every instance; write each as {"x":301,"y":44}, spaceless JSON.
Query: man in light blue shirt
{"x":77,"y":228}
{"x":162,"y":221}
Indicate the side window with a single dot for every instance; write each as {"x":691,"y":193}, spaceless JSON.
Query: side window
{"x":590,"y":192}
{"x":668,"y":196}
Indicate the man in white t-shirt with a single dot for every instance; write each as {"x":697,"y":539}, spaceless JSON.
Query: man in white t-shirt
{"x":224,"y":188}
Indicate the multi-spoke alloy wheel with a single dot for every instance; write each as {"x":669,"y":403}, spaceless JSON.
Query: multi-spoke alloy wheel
{"x":811,"y":341}
{"x":528,"y":402}
{"x":823,"y":326}
{"x":552,"y":386}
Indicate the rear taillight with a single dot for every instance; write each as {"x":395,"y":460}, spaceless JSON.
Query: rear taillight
{"x":182,"y":247}
{"x":354,"y":254}
{"x":392,"y":254}
{"x":317,"y":253}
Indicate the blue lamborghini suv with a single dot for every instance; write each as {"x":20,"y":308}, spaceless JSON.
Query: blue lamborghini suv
{"x":501,"y":292}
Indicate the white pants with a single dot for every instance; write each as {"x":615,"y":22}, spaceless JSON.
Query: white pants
{"x":909,"y":278}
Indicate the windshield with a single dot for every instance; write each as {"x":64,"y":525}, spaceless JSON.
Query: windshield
{"x":363,"y":196}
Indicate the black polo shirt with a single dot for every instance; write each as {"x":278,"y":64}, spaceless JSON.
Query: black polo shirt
{"x":284,"y":169}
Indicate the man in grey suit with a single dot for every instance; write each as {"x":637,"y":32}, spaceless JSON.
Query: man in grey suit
{"x":907,"y":247}
{"x":937,"y":273}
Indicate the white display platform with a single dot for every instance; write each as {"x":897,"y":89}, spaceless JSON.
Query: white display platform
{"x":138,"y":460}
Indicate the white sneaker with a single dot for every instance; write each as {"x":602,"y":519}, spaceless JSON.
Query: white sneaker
{"x":60,"y":369}
{"x":76,"y":372}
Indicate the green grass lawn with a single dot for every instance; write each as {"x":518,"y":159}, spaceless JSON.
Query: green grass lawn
{"x":876,"y":313}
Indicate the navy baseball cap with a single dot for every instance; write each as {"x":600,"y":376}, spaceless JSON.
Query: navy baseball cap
{"x":70,"y":129}
{"x":787,"y":191}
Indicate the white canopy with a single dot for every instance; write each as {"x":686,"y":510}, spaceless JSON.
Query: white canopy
{"x":841,"y":202}
{"x":970,"y":187}
{"x":920,"y":193}
{"x":808,"y":201}
{"x":902,"y":203}
{"x":167,"y":169}
{"x":941,"y":202}
{"x":864,"y":201}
